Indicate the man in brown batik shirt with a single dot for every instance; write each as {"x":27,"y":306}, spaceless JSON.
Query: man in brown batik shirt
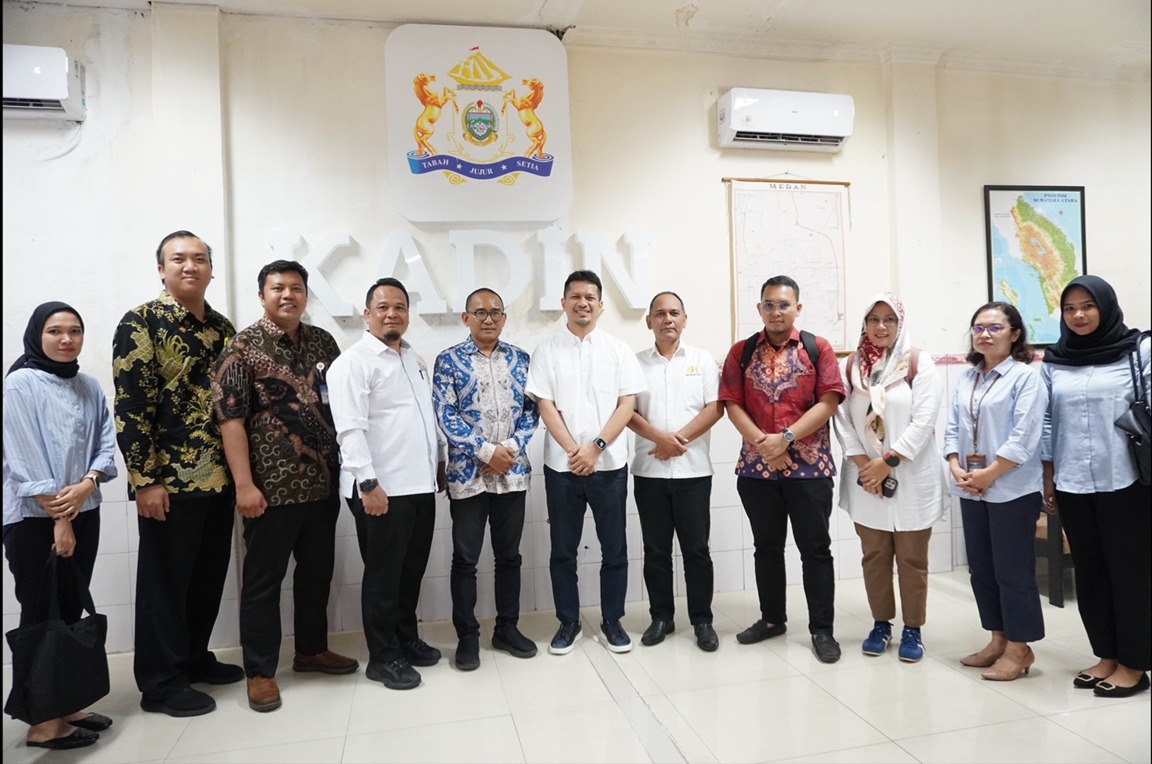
{"x":272,"y":404}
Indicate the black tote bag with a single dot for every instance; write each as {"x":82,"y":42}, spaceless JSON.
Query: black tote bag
{"x":58,"y":668}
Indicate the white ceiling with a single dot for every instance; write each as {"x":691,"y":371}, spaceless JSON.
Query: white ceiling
{"x":1094,"y":38}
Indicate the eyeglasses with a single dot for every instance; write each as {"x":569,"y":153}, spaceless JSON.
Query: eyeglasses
{"x":887,"y":320}
{"x":992,"y":329}
{"x":770,"y":306}
{"x":484,"y":315}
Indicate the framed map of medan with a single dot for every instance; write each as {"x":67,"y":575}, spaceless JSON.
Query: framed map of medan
{"x":1035,"y":247}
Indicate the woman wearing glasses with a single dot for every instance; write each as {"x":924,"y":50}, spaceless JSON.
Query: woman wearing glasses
{"x":1092,"y":375}
{"x":992,"y":445}
{"x":891,"y":484}
{"x":59,"y":445}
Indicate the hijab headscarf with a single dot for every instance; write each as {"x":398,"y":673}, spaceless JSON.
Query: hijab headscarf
{"x":875,"y":369}
{"x":34,"y":357}
{"x":1111,"y":340}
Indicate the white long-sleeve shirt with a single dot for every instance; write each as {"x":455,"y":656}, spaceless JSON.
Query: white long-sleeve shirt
{"x":385,"y":421}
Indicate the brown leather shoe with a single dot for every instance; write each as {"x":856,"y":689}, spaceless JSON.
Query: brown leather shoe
{"x":326,"y":662}
{"x":263,"y":694}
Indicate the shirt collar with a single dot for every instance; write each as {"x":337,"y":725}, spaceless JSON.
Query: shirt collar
{"x":469,"y":346}
{"x":378,"y":345}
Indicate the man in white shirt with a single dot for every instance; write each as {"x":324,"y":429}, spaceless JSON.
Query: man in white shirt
{"x":585,"y":383}
{"x":672,"y":469}
{"x":392,"y":467}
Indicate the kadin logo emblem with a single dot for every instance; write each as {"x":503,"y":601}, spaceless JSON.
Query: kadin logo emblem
{"x":478,"y":123}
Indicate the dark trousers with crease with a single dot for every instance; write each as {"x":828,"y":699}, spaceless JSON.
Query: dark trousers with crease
{"x":394,"y":547}
{"x":680,"y":506}
{"x":770,"y":504}
{"x":180,"y":572}
{"x":1000,"y":538}
{"x":504,"y":512}
{"x":306,"y":532}
{"x":27,"y":545}
{"x":1108,"y":534}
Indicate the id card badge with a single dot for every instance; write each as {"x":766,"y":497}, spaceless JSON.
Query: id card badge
{"x":974,"y":462}
{"x":323,"y":386}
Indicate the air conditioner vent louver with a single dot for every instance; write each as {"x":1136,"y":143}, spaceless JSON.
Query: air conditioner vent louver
{"x":784,"y":120}
{"x":38,"y":104}
{"x":824,"y":140}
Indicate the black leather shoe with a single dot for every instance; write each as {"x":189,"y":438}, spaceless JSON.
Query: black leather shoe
{"x":656,"y":632}
{"x":396,"y":674}
{"x":420,"y":653}
{"x":187,"y":702}
{"x":760,"y":631}
{"x":216,"y":672}
{"x":468,"y":654}
{"x":826,"y":648}
{"x":93,"y":722}
{"x":78,"y":739}
{"x":511,"y":641}
{"x":706,"y":638}
{"x":1106,"y":689}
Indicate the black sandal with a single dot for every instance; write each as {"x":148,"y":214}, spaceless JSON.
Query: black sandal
{"x":94,"y":722}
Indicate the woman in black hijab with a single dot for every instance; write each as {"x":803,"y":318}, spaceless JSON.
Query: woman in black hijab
{"x":59,"y":444}
{"x":1090,"y":476}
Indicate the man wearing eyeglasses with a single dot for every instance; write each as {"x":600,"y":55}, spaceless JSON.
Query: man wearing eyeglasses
{"x":780,"y":398}
{"x":483,"y":411}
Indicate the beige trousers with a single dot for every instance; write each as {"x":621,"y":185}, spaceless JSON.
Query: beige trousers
{"x":910,"y":550}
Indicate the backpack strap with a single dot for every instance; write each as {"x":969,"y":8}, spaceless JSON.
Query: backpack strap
{"x":808,"y":340}
{"x":749,"y":349}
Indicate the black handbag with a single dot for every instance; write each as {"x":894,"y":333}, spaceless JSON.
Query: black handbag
{"x":1136,"y":422}
{"x":57,"y":668}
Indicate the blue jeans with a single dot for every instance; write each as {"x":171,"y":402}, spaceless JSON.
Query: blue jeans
{"x":568,"y":497}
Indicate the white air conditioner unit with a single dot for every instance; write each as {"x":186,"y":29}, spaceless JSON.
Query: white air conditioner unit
{"x":784,"y":120}
{"x":42,"y":83}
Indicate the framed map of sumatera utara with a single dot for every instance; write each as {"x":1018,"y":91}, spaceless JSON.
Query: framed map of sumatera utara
{"x":1035,"y":247}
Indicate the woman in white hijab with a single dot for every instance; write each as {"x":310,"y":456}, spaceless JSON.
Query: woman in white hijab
{"x":891,"y":482}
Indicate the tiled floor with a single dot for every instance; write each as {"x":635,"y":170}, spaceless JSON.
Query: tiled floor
{"x":669,"y":703}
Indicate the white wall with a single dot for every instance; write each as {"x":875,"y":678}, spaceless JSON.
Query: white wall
{"x":235,"y":126}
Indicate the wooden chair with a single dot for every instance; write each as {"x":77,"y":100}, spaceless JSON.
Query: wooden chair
{"x":1052,"y":545}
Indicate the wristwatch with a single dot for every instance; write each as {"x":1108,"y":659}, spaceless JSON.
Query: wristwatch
{"x":788,"y":435}
{"x":95,"y":480}
{"x":599,"y":443}
{"x":891,"y":459}
{"x":368,"y":486}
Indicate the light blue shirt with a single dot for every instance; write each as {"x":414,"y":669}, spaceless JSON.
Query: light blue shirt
{"x":1088,"y":452}
{"x":1009,"y":402}
{"x":55,"y":431}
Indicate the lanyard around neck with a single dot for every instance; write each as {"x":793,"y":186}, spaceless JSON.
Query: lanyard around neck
{"x":974,"y":407}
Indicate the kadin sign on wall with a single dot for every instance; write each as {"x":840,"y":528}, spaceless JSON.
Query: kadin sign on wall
{"x":478,"y":124}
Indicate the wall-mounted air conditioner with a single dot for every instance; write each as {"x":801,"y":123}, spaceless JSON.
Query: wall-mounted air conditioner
{"x":787,"y":120}
{"x":43,"y":83}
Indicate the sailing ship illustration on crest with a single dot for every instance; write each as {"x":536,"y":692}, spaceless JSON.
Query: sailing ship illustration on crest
{"x":480,"y":150}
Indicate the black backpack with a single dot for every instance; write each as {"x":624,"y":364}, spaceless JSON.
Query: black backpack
{"x":807,"y":339}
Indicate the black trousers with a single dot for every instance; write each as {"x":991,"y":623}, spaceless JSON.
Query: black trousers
{"x":27,"y":545}
{"x":307,"y":532}
{"x":679,"y":506}
{"x":504,"y":512}
{"x":180,"y":572}
{"x":1108,"y":533}
{"x":394,"y":547}
{"x":770,"y":504}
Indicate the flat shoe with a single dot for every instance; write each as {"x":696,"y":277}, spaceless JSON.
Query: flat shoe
{"x":1086,"y":681}
{"x":94,"y":722}
{"x":1106,"y":689}
{"x":78,"y":739}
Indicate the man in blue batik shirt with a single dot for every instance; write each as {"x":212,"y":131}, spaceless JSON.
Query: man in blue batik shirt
{"x":478,"y":390}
